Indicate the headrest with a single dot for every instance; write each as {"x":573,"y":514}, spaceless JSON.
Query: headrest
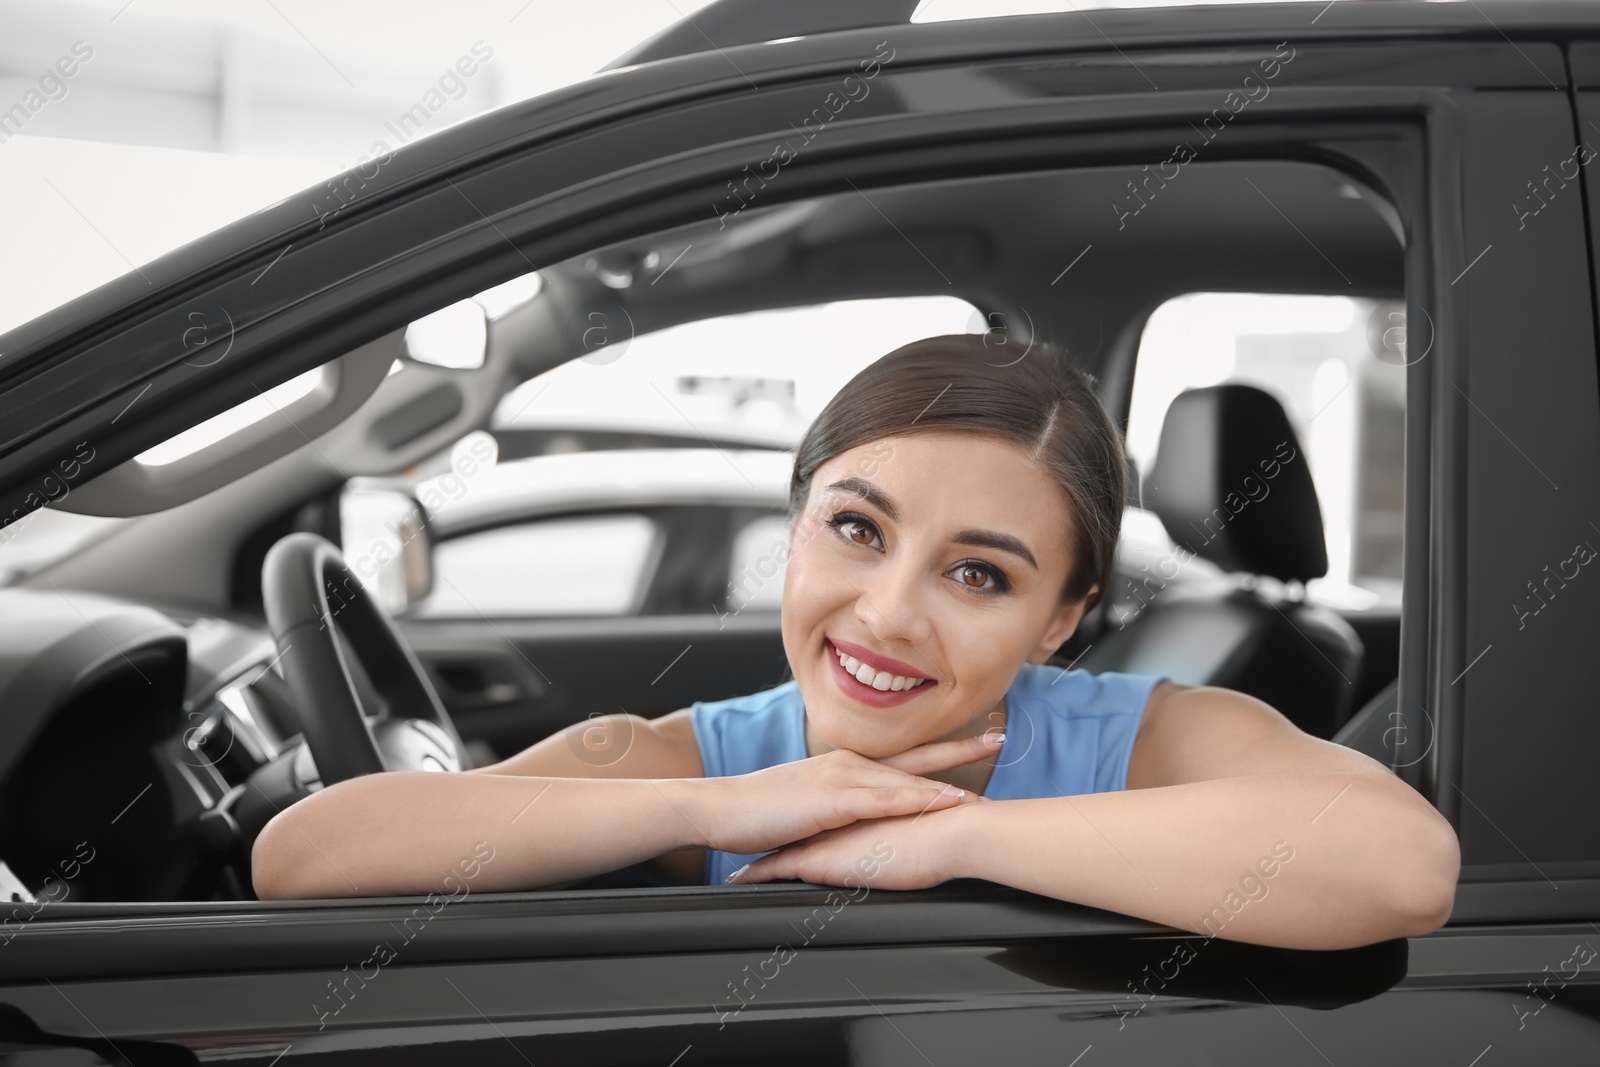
{"x":1231,"y":484}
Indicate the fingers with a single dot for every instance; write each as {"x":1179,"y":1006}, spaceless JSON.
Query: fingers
{"x":942,"y":755}
{"x":751,"y":873}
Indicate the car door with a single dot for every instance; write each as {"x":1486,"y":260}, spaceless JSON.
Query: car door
{"x":799,"y":974}
{"x":645,"y":617}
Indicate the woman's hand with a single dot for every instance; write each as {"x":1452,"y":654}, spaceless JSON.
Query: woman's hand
{"x":765,"y":809}
{"x":904,"y":852}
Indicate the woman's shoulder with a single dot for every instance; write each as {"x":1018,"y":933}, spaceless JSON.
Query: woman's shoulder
{"x":745,"y":733}
{"x":1079,"y":728}
{"x":1078,"y":693}
{"x":748,"y":703}
{"x":683,"y":725}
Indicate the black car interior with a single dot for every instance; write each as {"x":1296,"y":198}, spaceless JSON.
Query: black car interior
{"x":999,"y":242}
{"x":1231,"y":485}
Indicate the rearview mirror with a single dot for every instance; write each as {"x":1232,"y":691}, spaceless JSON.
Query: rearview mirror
{"x":456,"y":336}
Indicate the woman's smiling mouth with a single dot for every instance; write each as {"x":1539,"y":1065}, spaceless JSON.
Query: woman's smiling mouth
{"x":870,"y":678}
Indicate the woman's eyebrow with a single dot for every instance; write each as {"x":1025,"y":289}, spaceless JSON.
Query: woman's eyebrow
{"x":870,"y":493}
{"x":977,"y":538}
{"x":991,"y":539}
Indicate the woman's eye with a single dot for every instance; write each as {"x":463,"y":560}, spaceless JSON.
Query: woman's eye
{"x":857,"y":530}
{"x":980,"y":578}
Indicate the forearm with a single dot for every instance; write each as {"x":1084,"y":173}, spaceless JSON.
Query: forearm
{"x":404,"y":832}
{"x":1377,"y":862}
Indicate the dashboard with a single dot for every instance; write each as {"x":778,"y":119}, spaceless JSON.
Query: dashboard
{"x":130,"y":735}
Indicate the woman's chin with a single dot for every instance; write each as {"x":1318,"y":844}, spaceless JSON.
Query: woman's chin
{"x":844,"y":729}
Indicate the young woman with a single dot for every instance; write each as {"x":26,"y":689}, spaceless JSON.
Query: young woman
{"x":951,"y":522}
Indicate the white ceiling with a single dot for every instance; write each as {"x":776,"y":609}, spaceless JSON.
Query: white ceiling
{"x":188,"y":114}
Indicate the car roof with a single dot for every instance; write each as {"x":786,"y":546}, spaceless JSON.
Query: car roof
{"x":728,"y":23}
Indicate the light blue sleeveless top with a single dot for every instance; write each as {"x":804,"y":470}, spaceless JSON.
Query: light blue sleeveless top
{"x":1067,"y":732}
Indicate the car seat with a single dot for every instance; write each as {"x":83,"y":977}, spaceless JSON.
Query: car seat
{"x":1231,"y":485}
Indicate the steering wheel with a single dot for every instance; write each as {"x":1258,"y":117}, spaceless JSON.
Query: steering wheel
{"x":308,"y":590}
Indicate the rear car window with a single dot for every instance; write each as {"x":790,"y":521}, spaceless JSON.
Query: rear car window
{"x":1337,"y":365}
{"x":592,"y":565}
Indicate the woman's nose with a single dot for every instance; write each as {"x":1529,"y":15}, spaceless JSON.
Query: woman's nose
{"x":891,"y":604}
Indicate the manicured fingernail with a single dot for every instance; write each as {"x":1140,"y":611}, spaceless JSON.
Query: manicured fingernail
{"x":737,"y":873}
{"x":952,"y":791}
{"x":995,"y":737}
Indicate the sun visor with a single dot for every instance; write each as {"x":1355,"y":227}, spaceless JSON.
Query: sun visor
{"x":242,"y":439}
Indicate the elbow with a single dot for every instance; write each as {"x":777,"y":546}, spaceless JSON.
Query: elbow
{"x":283,"y":865}
{"x":271,"y":862}
{"x":1434,"y":871}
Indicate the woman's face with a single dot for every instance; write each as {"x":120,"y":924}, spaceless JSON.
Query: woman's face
{"x":938,"y":557}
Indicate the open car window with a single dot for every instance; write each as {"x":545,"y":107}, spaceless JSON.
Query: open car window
{"x":593,"y":565}
{"x":657,"y":601}
{"x":1337,"y":365}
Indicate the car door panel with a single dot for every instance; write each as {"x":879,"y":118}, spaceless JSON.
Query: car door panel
{"x":1518,"y":437}
{"x":565,"y":670}
{"x":512,"y":680}
{"x":645,"y":977}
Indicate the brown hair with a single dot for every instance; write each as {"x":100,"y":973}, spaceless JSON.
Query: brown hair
{"x":957,"y":382}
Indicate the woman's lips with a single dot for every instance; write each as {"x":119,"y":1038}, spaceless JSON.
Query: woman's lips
{"x":875,"y":661}
{"x":866,"y":694}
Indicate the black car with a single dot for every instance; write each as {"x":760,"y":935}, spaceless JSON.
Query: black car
{"x":1067,"y":175}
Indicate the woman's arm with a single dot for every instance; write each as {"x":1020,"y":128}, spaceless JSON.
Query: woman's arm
{"x":1235,"y":824}
{"x":404,"y":832}
{"x":579,"y":804}
{"x":598,"y":744}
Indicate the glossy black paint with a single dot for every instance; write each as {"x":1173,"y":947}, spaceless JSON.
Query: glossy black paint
{"x":1428,"y":102}
{"x":797,"y":976}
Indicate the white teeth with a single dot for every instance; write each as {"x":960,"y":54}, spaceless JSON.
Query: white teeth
{"x":882,"y":681}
